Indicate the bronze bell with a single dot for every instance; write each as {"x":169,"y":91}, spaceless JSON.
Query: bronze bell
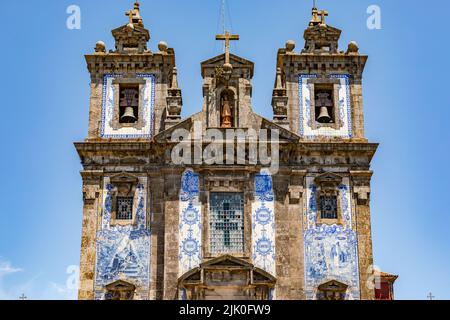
{"x":128,"y":116}
{"x":324,"y":116}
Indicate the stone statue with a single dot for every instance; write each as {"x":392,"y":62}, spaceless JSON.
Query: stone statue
{"x":226,"y":113}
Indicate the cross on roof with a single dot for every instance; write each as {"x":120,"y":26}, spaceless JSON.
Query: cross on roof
{"x":430,"y":296}
{"x":23,"y":297}
{"x":227,"y":37}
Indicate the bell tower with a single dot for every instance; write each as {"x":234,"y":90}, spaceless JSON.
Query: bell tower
{"x":134,"y":92}
{"x":318,"y":91}
{"x":318,"y":96}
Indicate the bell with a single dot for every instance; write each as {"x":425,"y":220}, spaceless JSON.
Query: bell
{"x":324,"y":116}
{"x":128,"y":116}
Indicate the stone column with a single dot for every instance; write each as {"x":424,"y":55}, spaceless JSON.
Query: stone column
{"x":91,"y":205}
{"x":361,"y":189}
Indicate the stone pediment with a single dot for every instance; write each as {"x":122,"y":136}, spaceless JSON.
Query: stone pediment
{"x":235,"y":60}
{"x":121,"y":285}
{"x":328,"y":179}
{"x":227,"y":263}
{"x":333,"y":286}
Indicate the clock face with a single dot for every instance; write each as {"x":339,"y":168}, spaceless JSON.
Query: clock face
{"x":326,"y":119}
{"x":133,"y":120}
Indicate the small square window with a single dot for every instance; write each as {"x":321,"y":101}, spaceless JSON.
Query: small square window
{"x":124,"y":208}
{"x":129,"y":104}
{"x":328,"y":207}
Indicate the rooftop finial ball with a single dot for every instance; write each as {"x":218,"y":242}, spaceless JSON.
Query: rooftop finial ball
{"x":162,"y":46}
{"x":290,"y":45}
{"x":100,"y":46}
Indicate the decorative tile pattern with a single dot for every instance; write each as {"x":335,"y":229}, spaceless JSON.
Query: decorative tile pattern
{"x":263,"y":223}
{"x":305,"y":96}
{"x":109,"y":108}
{"x":190,"y":228}
{"x":331,"y":251}
{"x":123,"y":252}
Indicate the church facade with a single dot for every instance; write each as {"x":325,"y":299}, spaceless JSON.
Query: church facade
{"x":285,"y":216}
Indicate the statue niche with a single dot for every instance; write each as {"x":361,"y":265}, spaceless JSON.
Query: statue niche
{"x":227,"y":109}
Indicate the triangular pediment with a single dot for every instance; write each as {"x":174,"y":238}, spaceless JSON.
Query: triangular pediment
{"x":235,"y":60}
{"x":121,"y":285}
{"x":334,"y":286}
{"x":328,"y":178}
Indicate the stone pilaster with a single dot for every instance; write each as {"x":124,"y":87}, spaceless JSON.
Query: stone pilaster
{"x":361,"y":190}
{"x":91,"y":205}
{"x":171,"y":225}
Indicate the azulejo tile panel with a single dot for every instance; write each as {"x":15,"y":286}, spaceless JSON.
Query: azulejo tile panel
{"x":305,"y":96}
{"x":263,"y":223}
{"x":190,"y":227}
{"x":331,"y":251}
{"x":109,"y":109}
{"x":123,"y":252}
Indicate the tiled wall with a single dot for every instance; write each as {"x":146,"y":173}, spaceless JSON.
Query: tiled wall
{"x":190,"y":229}
{"x":263,"y":224}
{"x":331,"y":251}
{"x":123,"y":252}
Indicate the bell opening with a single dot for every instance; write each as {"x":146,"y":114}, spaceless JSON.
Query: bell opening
{"x":129,"y":104}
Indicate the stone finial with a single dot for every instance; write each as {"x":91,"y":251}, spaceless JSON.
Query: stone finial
{"x":174,"y":78}
{"x":100,"y":47}
{"x":353,"y":48}
{"x":279,"y":83}
{"x":290,"y":45}
{"x":162,"y":46}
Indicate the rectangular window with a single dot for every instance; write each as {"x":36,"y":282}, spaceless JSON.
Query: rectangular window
{"x":124,"y":208}
{"x":328,"y":207}
{"x":227,"y":223}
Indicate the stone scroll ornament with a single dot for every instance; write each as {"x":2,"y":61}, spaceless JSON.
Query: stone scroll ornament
{"x":331,"y":251}
{"x":123,"y":252}
{"x":190,"y":228}
{"x":263,"y":223}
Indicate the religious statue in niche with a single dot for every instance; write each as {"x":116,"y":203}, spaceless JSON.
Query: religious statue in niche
{"x":226,"y":114}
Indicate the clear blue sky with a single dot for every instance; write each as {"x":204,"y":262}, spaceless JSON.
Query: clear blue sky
{"x":45,"y":96}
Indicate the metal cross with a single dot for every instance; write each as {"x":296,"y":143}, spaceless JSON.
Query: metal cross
{"x":430,"y":296}
{"x":323,"y":14}
{"x":23,"y":297}
{"x":227,"y":37}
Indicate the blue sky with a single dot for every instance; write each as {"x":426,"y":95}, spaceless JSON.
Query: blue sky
{"x":45,"y":96}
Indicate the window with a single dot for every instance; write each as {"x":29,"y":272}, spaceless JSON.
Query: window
{"x":124,"y":208}
{"x":324,"y":102}
{"x":227,"y":222}
{"x":129,"y":104}
{"x":328,"y":207}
